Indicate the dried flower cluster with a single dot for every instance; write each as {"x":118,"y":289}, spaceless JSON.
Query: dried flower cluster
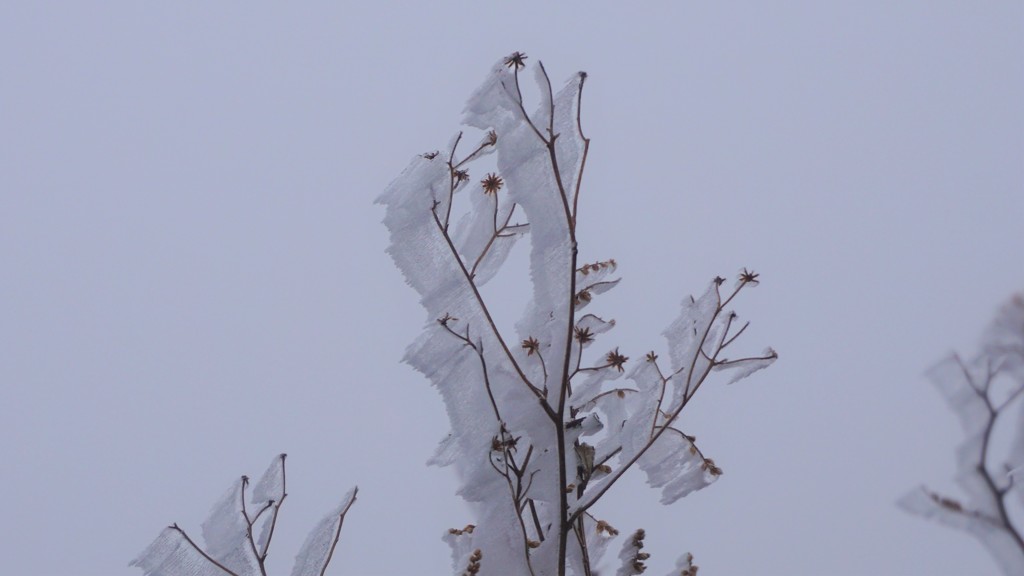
{"x":474,"y":563}
{"x":633,"y":555}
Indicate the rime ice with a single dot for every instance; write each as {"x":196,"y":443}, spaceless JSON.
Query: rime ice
{"x":539,"y":430}
{"x":972,"y":390}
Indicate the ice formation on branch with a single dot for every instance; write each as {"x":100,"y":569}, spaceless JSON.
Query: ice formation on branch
{"x":985,"y":393}
{"x":540,"y":429}
{"x":238,"y":532}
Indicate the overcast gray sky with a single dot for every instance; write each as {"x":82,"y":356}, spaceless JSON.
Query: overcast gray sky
{"x":192,"y":275}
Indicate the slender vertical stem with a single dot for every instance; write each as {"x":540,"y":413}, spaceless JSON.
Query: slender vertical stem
{"x":337,"y":531}
{"x":586,"y":148}
{"x":487,"y":314}
{"x":248,"y":528}
{"x":277,"y":507}
{"x":998,"y":497}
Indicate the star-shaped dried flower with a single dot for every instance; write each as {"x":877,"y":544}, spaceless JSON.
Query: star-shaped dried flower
{"x":492,"y":183}
{"x":500,"y":445}
{"x":616,"y":360}
{"x":460,"y":175}
{"x":492,"y":137}
{"x":515,"y":60}
{"x":749,"y":277}
{"x":531,"y":345}
{"x":583,"y":335}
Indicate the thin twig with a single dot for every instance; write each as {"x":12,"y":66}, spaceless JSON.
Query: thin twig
{"x":483,"y":366}
{"x":998,"y":497}
{"x":536,"y":519}
{"x":451,"y":182}
{"x":508,"y":460}
{"x":473,"y":154}
{"x":551,"y":101}
{"x":586,"y":148}
{"x":745,"y":359}
{"x":581,"y":508}
{"x":487,"y":315}
{"x":735,"y":336}
{"x":337,"y":531}
{"x":200,"y":550}
{"x":248,"y":528}
{"x":497,"y":234}
{"x":277,"y":506}
{"x":522,"y":109}
{"x":731,"y":296}
{"x":581,"y":538}
{"x":543,"y":367}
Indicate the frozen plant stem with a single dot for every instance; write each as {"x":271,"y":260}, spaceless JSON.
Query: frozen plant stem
{"x":546,"y":399}
{"x":233,"y":546}
{"x":982,"y":391}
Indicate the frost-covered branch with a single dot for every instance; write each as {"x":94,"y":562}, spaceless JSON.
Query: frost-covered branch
{"x":985,"y":393}
{"x":550,"y":397}
{"x":237,"y":542}
{"x":196,"y":549}
{"x":457,"y":176}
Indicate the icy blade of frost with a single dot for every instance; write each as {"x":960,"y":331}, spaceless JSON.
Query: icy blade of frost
{"x":316,"y":551}
{"x":493,"y":104}
{"x":960,"y":383}
{"x":997,"y":540}
{"x":270,"y":486}
{"x":226,"y":533}
{"x":485,"y":235}
{"x":545,"y":193}
{"x":691,"y":340}
{"x":953,"y":377}
{"x":496,"y":535}
{"x":1005,"y":337}
{"x":171,"y":555}
{"x":673,"y":465}
{"x":744,"y":367}
{"x":269,"y":490}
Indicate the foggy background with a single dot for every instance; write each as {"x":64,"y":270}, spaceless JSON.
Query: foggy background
{"x":192,"y":275}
